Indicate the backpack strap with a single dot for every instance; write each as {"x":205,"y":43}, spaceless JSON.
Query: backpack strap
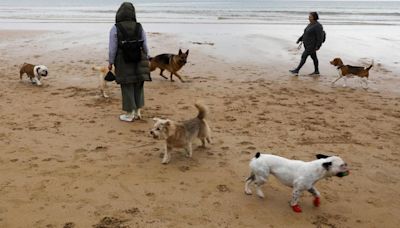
{"x":125,"y":33}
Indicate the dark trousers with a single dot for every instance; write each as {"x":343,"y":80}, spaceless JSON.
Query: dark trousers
{"x":304,"y":56}
{"x":132,"y":96}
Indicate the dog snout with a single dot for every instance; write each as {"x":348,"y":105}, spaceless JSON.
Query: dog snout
{"x":151,"y":132}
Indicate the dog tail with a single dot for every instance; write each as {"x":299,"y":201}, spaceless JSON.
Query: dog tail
{"x":372,"y":64}
{"x":202,"y":111}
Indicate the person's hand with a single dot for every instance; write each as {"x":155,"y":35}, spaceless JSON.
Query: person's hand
{"x":109,"y":66}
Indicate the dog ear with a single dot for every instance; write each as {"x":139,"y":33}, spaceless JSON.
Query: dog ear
{"x":327,"y":165}
{"x":167,"y":123}
{"x":180,"y":52}
{"x":187,"y":52}
{"x":319,"y":156}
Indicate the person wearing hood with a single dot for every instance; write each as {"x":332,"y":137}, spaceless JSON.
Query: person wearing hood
{"x":130,"y":75}
{"x":312,"y":39}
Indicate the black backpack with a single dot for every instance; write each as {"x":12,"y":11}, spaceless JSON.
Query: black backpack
{"x":323,"y":36}
{"x":131,"y":49}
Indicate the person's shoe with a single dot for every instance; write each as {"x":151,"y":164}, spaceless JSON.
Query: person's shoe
{"x":315,"y":73}
{"x":138,"y":115}
{"x":294,"y":72}
{"x":129,"y":117}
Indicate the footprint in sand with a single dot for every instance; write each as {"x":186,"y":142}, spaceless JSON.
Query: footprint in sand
{"x":223,"y":188}
{"x":109,"y":222}
{"x":244,"y":143}
{"x":69,"y":225}
{"x":100,"y":148}
{"x":184,"y":168}
{"x":132,"y":211}
{"x":113,"y":195}
{"x":150,"y":194}
{"x":89,"y":190}
{"x":321,"y":221}
{"x":222,"y":164}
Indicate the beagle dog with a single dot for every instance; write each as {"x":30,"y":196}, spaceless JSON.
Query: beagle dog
{"x":349,"y":71}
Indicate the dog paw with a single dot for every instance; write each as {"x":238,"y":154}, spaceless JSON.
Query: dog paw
{"x":248,"y":192}
{"x":317,"y":201}
{"x":164,"y":162}
{"x":260,"y":194}
{"x":296,"y":208}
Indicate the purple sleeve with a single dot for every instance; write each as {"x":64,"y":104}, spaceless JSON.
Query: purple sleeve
{"x":144,"y":38}
{"x":112,"y":45}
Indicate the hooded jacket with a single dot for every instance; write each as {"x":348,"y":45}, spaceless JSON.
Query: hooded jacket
{"x":312,"y":36}
{"x":129,"y":72}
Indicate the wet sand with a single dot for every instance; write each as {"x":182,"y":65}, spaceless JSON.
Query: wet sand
{"x":67,"y":161}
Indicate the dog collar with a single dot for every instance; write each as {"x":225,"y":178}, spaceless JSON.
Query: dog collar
{"x":340,"y":66}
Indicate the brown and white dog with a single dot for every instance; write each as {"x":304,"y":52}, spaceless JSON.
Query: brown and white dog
{"x":181,"y":134}
{"x":34,"y":72}
{"x":102,"y":82}
{"x":346,"y":71}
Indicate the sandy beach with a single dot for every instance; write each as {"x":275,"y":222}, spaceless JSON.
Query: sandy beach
{"x":67,"y":161}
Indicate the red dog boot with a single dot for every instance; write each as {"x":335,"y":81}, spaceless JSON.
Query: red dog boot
{"x":316,"y":201}
{"x":296,"y":208}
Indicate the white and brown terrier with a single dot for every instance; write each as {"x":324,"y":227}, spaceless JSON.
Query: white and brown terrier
{"x":182,"y":134}
{"x":347,"y":71}
{"x":34,"y":72}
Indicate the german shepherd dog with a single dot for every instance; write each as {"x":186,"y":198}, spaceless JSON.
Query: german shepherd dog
{"x":169,"y":62}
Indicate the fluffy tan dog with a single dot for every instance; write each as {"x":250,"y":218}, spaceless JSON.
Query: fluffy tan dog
{"x":182,"y":134}
{"x":102,"y":82}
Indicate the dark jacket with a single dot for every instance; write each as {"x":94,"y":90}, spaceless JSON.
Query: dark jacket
{"x":129,"y":72}
{"x":312,"y":37}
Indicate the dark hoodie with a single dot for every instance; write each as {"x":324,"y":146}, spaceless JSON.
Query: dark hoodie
{"x":126,"y":12}
{"x":129,"y":72}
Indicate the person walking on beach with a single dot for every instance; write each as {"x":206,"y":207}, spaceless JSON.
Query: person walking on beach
{"x":128,"y":52}
{"x":312,"y":39}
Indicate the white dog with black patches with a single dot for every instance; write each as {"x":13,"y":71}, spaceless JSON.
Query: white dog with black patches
{"x":294,"y":173}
